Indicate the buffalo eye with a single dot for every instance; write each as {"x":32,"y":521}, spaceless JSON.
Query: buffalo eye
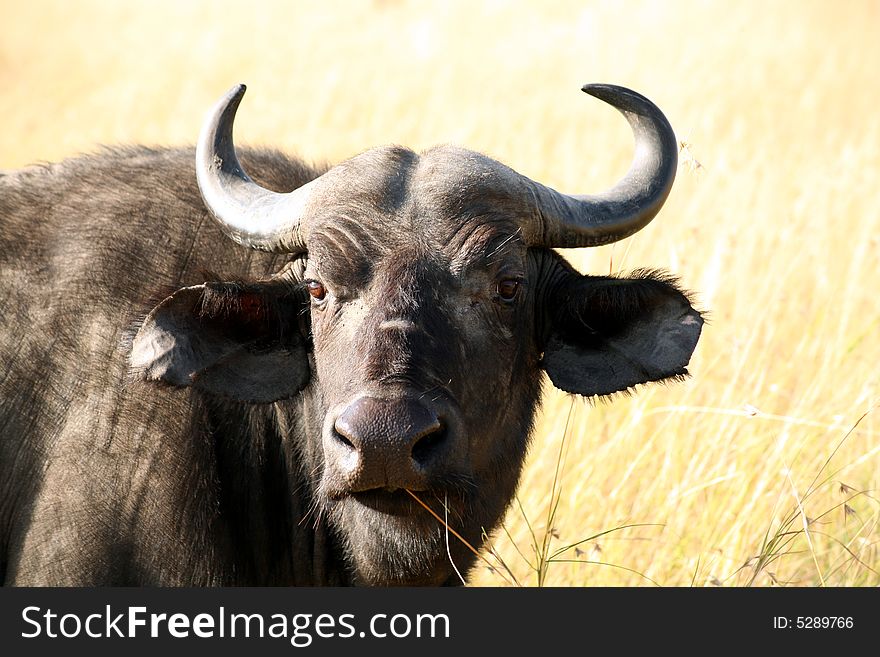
{"x":316,"y":290}
{"x":507,"y":289}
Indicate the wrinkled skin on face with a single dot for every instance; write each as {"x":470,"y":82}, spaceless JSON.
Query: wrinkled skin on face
{"x":410,"y":308}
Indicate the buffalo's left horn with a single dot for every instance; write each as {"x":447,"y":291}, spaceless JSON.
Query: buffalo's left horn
{"x":563,"y":220}
{"x":248,"y":213}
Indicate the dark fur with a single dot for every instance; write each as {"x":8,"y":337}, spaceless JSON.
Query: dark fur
{"x":86,"y":244}
{"x":109,"y":479}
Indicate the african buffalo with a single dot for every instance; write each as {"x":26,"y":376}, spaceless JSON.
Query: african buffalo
{"x":371,"y":330}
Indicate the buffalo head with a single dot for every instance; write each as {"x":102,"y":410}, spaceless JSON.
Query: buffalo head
{"x":406,"y":337}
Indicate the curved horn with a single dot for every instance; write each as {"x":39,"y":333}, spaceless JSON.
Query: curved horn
{"x":249,"y":214}
{"x":582,"y":220}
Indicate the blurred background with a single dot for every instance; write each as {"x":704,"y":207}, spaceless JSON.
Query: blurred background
{"x":763,"y":467}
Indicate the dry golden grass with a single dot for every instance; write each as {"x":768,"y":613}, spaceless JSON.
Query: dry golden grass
{"x":763,"y":467}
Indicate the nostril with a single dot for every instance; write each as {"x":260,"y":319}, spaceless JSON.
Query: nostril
{"x":341,"y":438}
{"x":345,"y":456}
{"x":342,"y":432}
{"x":428,"y":444}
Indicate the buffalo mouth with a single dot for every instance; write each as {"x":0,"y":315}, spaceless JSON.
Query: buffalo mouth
{"x":422,"y":506}
{"x":396,"y":541}
{"x":401,"y":511}
{"x":398,"y":502}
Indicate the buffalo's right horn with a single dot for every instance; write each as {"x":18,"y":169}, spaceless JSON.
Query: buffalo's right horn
{"x":248,"y":213}
{"x":563,"y":220}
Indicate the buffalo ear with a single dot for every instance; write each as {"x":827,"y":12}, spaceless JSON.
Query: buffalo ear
{"x":609,"y":334}
{"x":240,"y":341}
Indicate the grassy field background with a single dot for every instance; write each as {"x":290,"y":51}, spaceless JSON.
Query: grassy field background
{"x":763,"y":467}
